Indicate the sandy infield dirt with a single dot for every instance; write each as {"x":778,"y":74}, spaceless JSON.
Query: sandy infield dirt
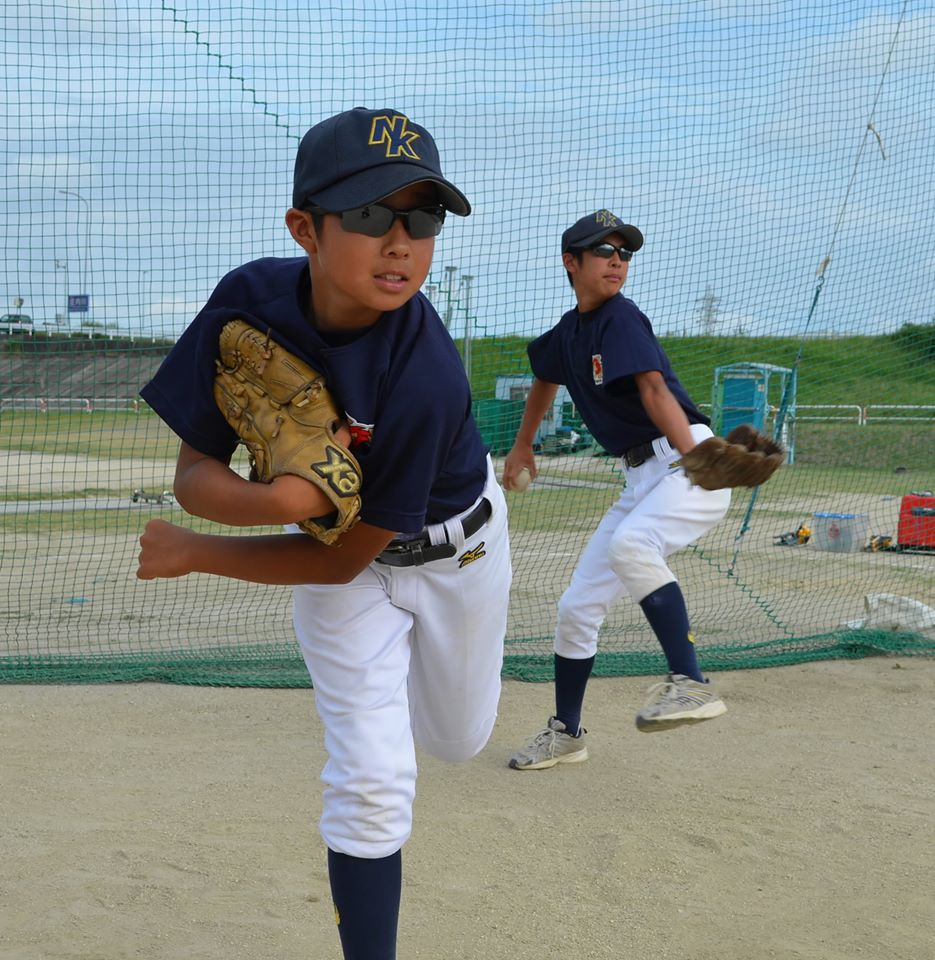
{"x":157,"y":821}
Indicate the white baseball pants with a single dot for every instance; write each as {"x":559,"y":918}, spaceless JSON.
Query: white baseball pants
{"x":404,"y":655}
{"x":658,"y":513}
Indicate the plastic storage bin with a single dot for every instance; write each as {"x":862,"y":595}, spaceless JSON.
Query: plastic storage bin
{"x":840,"y":532}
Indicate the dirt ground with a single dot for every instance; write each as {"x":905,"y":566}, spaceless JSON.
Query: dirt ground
{"x":178,"y":823}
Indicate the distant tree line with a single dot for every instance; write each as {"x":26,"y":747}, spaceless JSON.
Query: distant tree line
{"x":919,"y":338}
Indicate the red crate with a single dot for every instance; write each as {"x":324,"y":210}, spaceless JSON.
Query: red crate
{"x":917,"y":521}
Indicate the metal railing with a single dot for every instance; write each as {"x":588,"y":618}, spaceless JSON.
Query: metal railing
{"x":897,"y":408}
{"x":80,"y":404}
{"x":856,"y":413}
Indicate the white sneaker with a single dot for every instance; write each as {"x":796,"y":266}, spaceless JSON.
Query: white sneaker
{"x":549,"y":747}
{"x":676,"y":700}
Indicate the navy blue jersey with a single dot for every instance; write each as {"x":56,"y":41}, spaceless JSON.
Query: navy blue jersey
{"x":400,"y":383}
{"x":596,"y":355}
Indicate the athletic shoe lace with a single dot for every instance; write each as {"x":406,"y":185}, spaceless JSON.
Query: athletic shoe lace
{"x":660,"y":692}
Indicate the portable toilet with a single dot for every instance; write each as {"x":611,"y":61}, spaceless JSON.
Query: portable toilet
{"x":753,"y":393}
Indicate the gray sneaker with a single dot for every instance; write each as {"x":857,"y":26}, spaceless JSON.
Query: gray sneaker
{"x":677,"y":700}
{"x":553,"y":745}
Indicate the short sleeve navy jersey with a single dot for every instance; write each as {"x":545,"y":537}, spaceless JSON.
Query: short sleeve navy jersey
{"x":596,"y":355}
{"x":420,"y":452}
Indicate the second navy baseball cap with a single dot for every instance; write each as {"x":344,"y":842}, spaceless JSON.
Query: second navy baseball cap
{"x":360,"y":156}
{"x":595,"y":226}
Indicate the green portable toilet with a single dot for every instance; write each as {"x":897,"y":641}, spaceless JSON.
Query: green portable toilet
{"x":752,"y":393}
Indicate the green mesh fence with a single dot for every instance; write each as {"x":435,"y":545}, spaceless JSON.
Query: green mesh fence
{"x":777,"y":157}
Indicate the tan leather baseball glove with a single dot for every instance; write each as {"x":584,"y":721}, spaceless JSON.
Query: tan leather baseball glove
{"x":285,"y":417}
{"x":744,"y":458}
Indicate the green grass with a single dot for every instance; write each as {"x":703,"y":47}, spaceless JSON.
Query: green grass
{"x":860,"y":370}
{"x":113,"y":523}
{"x":105,"y":434}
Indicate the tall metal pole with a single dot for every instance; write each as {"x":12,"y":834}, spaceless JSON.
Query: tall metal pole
{"x":87,"y":242}
{"x":143,"y":300}
{"x":449,"y":311}
{"x":63,"y":265}
{"x":466,"y":280}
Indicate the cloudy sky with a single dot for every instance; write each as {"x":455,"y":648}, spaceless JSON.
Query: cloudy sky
{"x":734,"y":134}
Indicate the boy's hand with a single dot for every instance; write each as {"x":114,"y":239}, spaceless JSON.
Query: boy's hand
{"x":165,"y":551}
{"x":521,"y":456}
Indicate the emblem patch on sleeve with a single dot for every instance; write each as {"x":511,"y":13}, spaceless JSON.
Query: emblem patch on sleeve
{"x":597,"y":368}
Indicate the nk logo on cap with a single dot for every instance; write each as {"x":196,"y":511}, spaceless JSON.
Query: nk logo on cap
{"x":606,"y":219}
{"x":395,"y":133}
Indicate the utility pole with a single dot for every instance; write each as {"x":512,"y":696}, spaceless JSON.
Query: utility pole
{"x":708,"y":310}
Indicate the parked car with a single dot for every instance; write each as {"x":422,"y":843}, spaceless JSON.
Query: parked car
{"x":143,"y":496}
{"x":12,"y":322}
{"x":567,"y":440}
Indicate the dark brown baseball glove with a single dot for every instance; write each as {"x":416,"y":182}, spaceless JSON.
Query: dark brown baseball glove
{"x":744,"y":458}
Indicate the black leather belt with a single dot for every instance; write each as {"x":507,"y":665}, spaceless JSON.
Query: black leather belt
{"x":639,"y":454}
{"x":419,"y":550}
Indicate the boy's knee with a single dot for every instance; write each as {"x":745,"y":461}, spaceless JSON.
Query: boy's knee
{"x":457,"y":751}
{"x":640,"y":566}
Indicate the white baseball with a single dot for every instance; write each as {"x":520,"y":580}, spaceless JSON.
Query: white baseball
{"x":522,"y":480}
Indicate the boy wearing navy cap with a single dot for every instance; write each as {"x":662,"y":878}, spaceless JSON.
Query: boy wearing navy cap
{"x":401,"y":622}
{"x":621,"y":381}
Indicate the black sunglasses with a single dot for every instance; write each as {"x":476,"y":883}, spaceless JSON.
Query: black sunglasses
{"x":376,"y":220}
{"x":606,"y":250}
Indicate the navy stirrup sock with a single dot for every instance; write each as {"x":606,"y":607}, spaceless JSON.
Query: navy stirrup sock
{"x":366,"y":904}
{"x":571,"y":678}
{"x":666,"y":613}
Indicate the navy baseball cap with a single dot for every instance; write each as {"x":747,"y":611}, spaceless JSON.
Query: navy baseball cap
{"x":595,"y":226}
{"x":360,"y":156}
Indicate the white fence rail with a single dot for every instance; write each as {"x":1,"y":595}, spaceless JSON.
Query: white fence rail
{"x":896,"y":411}
{"x":853,"y":412}
{"x":821,"y":412}
{"x":73,"y":404}
{"x":862,"y":415}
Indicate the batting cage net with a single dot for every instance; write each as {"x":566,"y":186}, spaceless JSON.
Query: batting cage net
{"x":777,"y":157}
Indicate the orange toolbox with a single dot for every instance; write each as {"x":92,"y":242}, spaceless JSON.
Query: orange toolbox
{"x":917,"y":521}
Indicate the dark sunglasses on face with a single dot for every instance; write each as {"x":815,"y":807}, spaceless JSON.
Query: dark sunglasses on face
{"x":606,"y":250}
{"x":376,"y":220}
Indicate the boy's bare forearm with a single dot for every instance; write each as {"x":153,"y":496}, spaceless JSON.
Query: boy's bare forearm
{"x":538,"y":402}
{"x":666,"y":413}
{"x":286,"y":559}
{"x":207,"y":488}
{"x":169,"y":551}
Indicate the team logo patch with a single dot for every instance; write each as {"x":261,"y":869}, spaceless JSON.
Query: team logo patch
{"x":597,"y":368}
{"x":342,"y":476}
{"x":469,"y":556}
{"x":361,"y":433}
{"x":394,"y":132}
{"x":606,"y":219}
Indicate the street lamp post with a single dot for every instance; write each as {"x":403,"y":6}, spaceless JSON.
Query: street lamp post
{"x":87,"y":241}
